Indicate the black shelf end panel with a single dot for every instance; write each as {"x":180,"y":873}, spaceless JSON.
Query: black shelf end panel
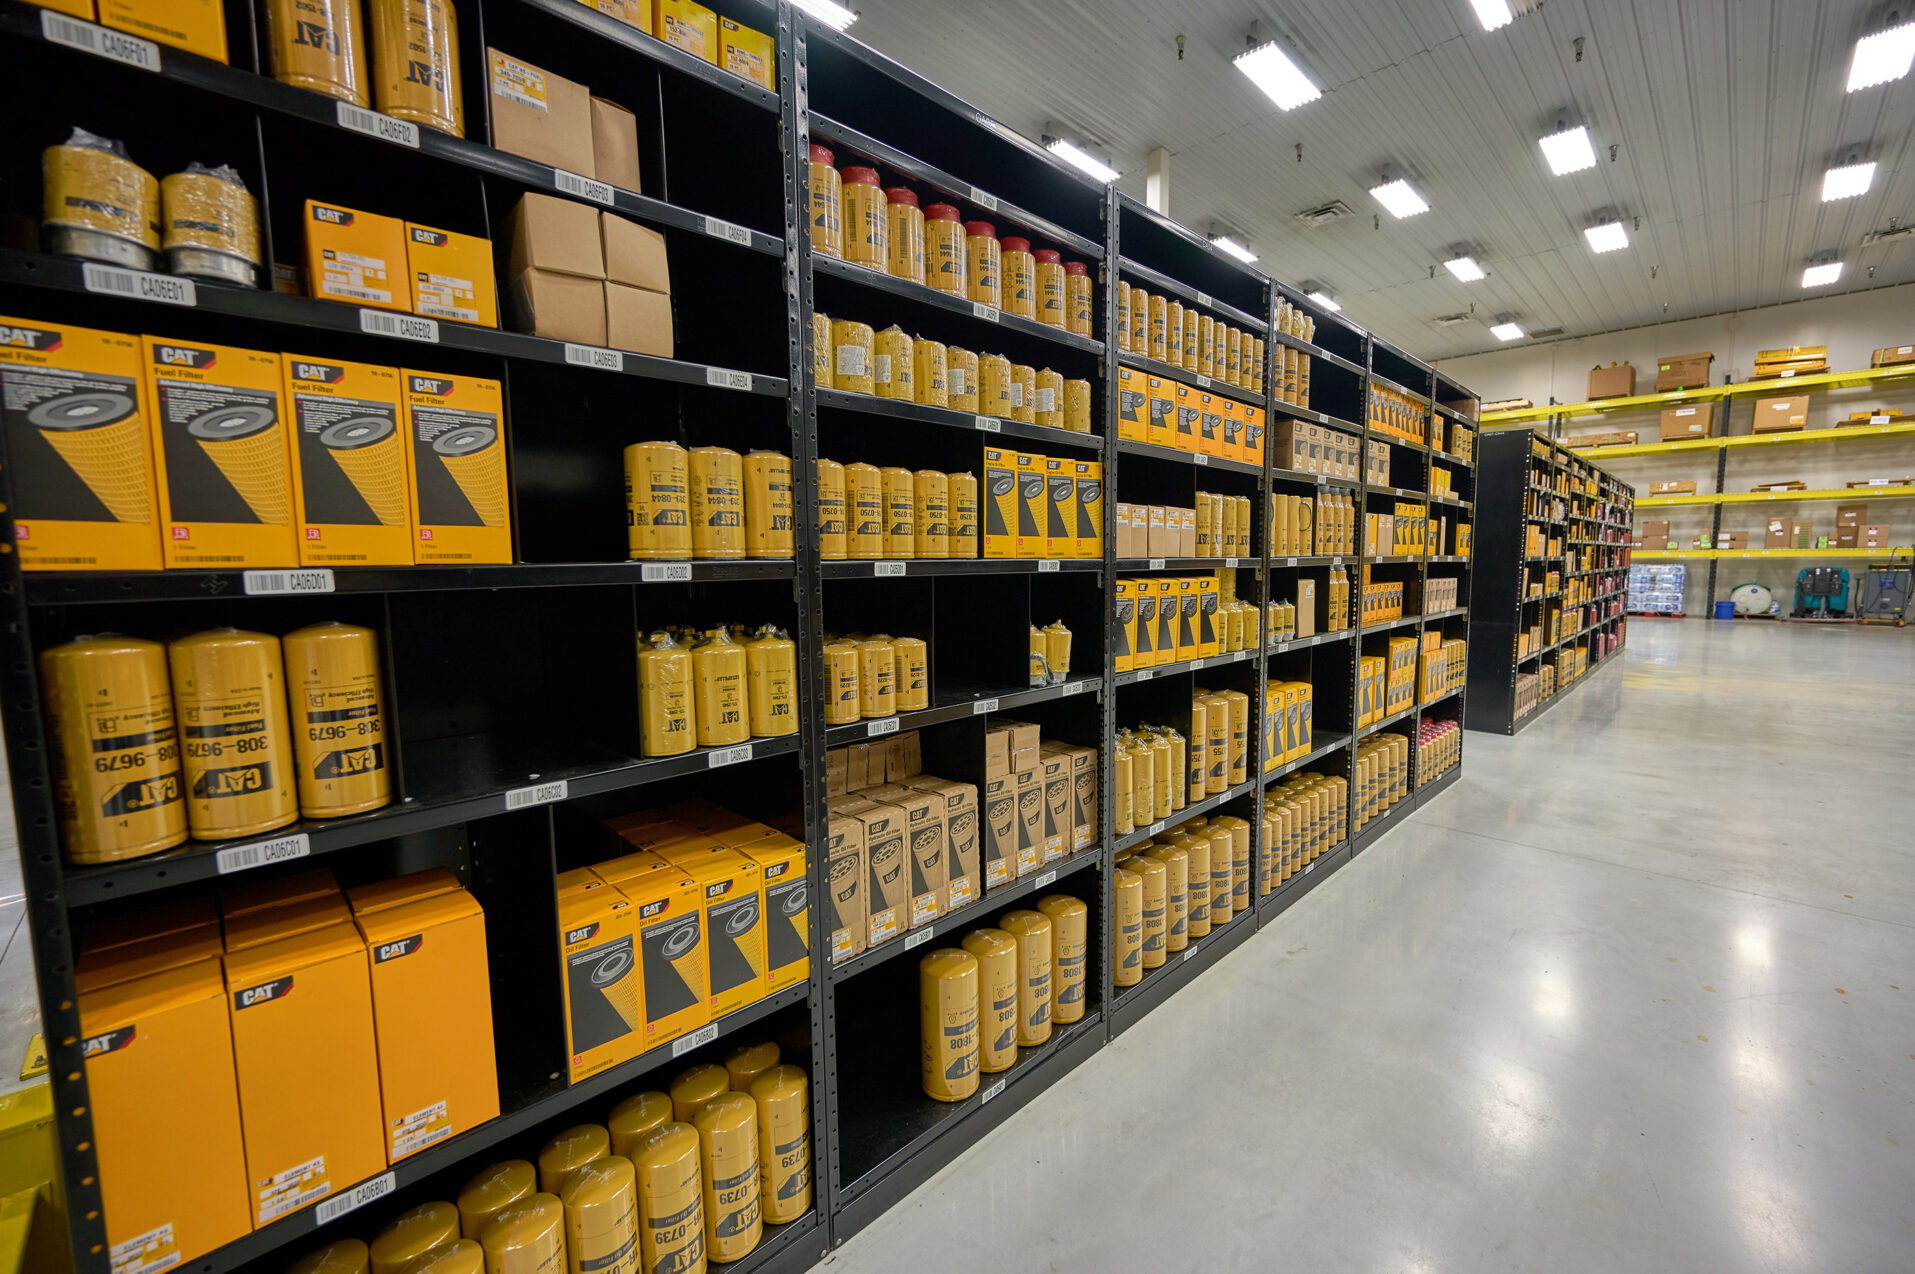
{"x":1178,"y":970}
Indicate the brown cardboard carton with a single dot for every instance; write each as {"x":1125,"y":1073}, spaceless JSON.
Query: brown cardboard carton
{"x":857,"y":768}
{"x":1055,"y":770}
{"x":557,"y":236}
{"x":1732,"y":539}
{"x":998,"y":813}
{"x":962,"y":839}
{"x":1781,"y":415}
{"x":1778,"y":534}
{"x":1655,"y":535}
{"x":614,"y":144}
{"x":1694,"y":421}
{"x":564,"y":307}
{"x":539,"y":115}
{"x":1672,"y":488}
{"x":634,"y":254}
{"x":1848,"y":537}
{"x":1682,"y":371}
{"x":846,"y":872}
{"x":1306,"y":608}
{"x":997,"y":752}
{"x":1163,"y":535}
{"x":887,"y":878}
{"x":1850,"y":514}
{"x":922,"y":815}
{"x":1892,"y":356}
{"x":1801,"y":535}
{"x":1780,"y":486}
{"x":638,"y":320}
{"x":1030,"y":821}
{"x":1613,"y":381}
{"x":1874,"y":537}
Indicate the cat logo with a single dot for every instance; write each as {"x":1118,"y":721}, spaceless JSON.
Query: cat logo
{"x":437,"y":387}
{"x":653,"y":908}
{"x":431,"y":238}
{"x":183,"y":356}
{"x":398,"y":947}
{"x":264,"y":993}
{"x":324,"y":373}
{"x":333,"y":216}
{"x":718,"y":889}
{"x":32,"y":338}
{"x":575,"y":936}
{"x":110,"y":1042}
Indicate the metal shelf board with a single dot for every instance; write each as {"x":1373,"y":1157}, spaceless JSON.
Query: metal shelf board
{"x":1438,"y":785}
{"x":1335,"y":740}
{"x":1397,"y":440}
{"x":956,"y":704}
{"x":1388,"y":559}
{"x":1301,"y":478}
{"x":1634,"y":402}
{"x":1399,"y":387}
{"x":1172,"y":371}
{"x":1450,"y":458}
{"x":1298,"y":412}
{"x":1454,"y":414}
{"x":1179,"y":817}
{"x":866,"y":568}
{"x":656,"y":50}
{"x":1319,"y":560}
{"x":1841,"y":433}
{"x":1203,"y":300}
{"x":1178,"y":969}
{"x":1189,"y":563}
{"x":1364,"y":732}
{"x":931,"y":298}
{"x":1182,"y":666}
{"x":1302,"y":346}
{"x":1151,"y":451}
{"x":1887,"y":492}
{"x":1447,"y":694}
{"x":1291,"y":891}
{"x":1452,"y":560}
{"x":1438,"y":498}
{"x":1304,"y":643}
{"x":925,"y":414}
{"x":1435,"y":615}
{"x":967,"y":916}
{"x":1401,"y":493}
{"x":1385,"y":625}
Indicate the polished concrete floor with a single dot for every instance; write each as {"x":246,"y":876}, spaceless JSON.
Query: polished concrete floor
{"x":1637,"y":994}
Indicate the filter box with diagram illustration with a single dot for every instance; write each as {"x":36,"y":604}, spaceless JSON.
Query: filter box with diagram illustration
{"x":348,"y":463}
{"x":455,"y":453}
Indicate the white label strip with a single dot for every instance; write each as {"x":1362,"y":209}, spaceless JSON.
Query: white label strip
{"x":100,"y":42}
{"x":138,"y":285}
{"x":697,"y":1039}
{"x":357,"y":1197}
{"x":728,"y":756}
{"x":1198,"y":457}
{"x":665,"y":572}
{"x":990,"y":1092}
{"x":990,"y":424}
{"x":1203,"y":382}
{"x":1145,"y":674}
{"x":281,"y":849}
{"x":984,"y":199}
{"x":873,"y":729}
{"x":1156,"y":827}
{"x":1189,"y":951}
{"x":537,"y":794}
{"x":727,"y":231}
{"x":983,"y":706}
{"x":1048,"y":878}
{"x":726,"y":378}
{"x":1203,"y":298}
{"x":608,"y":360}
{"x":1229,"y":562}
{"x":1156,"y":564}
{"x":988,"y":313}
{"x":1046,"y":565}
{"x":582,"y":187}
{"x":1195,"y":664}
{"x":884,"y":569}
{"x":918,"y":937}
{"x":1078,"y":687}
{"x":267,"y":583}
{"x":373,"y":124}
{"x":407,"y":327}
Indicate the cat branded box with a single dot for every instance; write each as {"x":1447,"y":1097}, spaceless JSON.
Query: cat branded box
{"x":76,"y":413}
{"x":689,"y":26}
{"x":1186,"y":418}
{"x":1054,"y":768}
{"x":1084,"y":825}
{"x":962,"y":839}
{"x":1209,"y":631}
{"x":348,"y":463}
{"x":357,"y":257}
{"x":542,"y":116}
{"x":1033,"y":499}
{"x":1255,"y":426}
{"x":781,"y":864}
{"x":396,"y":891}
{"x":281,"y":891}
{"x":1161,"y":410}
{"x":455,"y":455}
{"x":1124,"y":598}
{"x":451,"y":275}
{"x":1061,"y":527}
{"x":1030,"y":820}
{"x":732,"y":893}
{"x":1001,"y":502}
{"x":1189,"y":619}
{"x":1169,"y":613}
{"x":887,"y":882}
{"x":669,"y":933}
{"x":603,"y":1011}
{"x":920,"y":815}
{"x":997,"y":808}
{"x":746,"y":53}
{"x":846,"y":923}
{"x":222,"y":455}
{"x":432,"y":1013}
{"x":1089,"y":475}
{"x":198,"y":26}
{"x":1133,"y":406}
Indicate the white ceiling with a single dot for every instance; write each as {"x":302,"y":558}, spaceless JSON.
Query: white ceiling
{"x":1724,"y":114}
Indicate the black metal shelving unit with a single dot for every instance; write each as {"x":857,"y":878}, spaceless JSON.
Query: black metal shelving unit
{"x":551,"y":634}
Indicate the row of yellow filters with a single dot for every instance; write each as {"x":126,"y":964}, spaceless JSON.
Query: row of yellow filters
{"x":1165,"y":620}
{"x":868,"y":677}
{"x":98,"y":204}
{"x":716,"y":691}
{"x":706,"y":503}
{"x":125,"y":785}
{"x":1303,"y":818}
{"x":1000,"y":990}
{"x":849,"y":356}
{"x":1177,"y":887}
{"x":678,"y":1178}
{"x":1160,"y":770}
{"x":868,"y":513}
{"x":1161,"y":328}
{"x":1382,"y":775}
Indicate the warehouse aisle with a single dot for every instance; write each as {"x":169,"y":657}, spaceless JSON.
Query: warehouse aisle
{"x":1637,"y":993}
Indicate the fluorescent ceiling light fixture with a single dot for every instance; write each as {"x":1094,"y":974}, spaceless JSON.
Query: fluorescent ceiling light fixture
{"x":1607,"y":237}
{"x":1464,"y":268}
{"x":1281,"y":80}
{"x":1507,"y":332}
{"x":1323,"y":298}
{"x":1882,"y":57}
{"x":1234,"y":248}
{"x":1080,"y":159}
{"x":1492,"y":13}
{"x":1399,"y":198}
{"x":1821,"y":275}
{"x":1568,"y":151}
{"x":1847,"y":182}
{"x":835,"y":16}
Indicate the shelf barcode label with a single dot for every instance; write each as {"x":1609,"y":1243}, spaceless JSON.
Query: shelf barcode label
{"x":986,"y":312}
{"x":1156,"y":827}
{"x":268,"y":583}
{"x":730,"y":233}
{"x":1156,"y":564}
{"x":582,"y":187}
{"x":1281,"y":646}
{"x":983,"y":706}
{"x":138,"y":285}
{"x":537,"y":794}
{"x":726,"y":378}
{"x":387,"y":129}
{"x":1229,"y":562}
{"x":1203,"y":298}
{"x":918,"y":937}
{"x":1189,"y":951}
{"x":100,"y":42}
{"x":407,"y":327}
{"x":984,"y":199}
{"x":728,"y":756}
{"x":280,"y":849}
{"x":697,"y":1039}
{"x":873,"y":729}
{"x":1336,"y":561}
{"x":1045,"y":565}
{"x":354,"y":1199}
{"x":990,"y":1092}
{"x":1078,"y":687}
{"x":1145,"y":674}
{"x":1322,"y":481}
{"x":665,"y":572}
{"x":1048,"y":878}
{"x":885,"y":569}
{"x":1309,"y":867}
{"x":606,"y":360}
{"x":1198,"y":457}
{"x":1289,"y":561}
{"x":990,"y":424}
{"x":1195,"y":664}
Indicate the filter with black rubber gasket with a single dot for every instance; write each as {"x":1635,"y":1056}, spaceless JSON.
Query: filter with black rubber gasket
{"x":368,"y":449}
{"x":100,"y":435}
{"x":241,"y":440}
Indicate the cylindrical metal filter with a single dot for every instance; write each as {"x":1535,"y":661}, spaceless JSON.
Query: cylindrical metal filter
{"x":1239,"y":736}
{"x":948,"y":1023}
{"x":717,"y":502}
{"x":963,"y":540}
{"x":116,"y":748}
{"x":944,"y":249}
{"x":771,"y":682}
{"x":342,"y":1256}
{"x":1223,"y":903}
{"x":1127,"y":947}
{"x":718,"y":691}
{"x":1156,"y":335}
{"x":930,"y":381}
{"x":1020,"y":278}
{"x":1156,"y":878}
{"x":1052,"y":298}
{"x":332,"y":670}
{"x":904,"y":254}
{"x":319,"y":45}
{"x":1176,"y":861}
{"x":877,"y":678}
{"x":960,"y":379}
{"x":995,"y":395}
{"x":911,"y":658}
{"x":1120,"y":786}
{"x":210,"y":225}
{"x":1077,"y":311}
{"x":415,"y":63}
{"x":1077,"y":406}
{"x":98,"y":204}
{"x":636,"y":1116}
{"x":834,"y":543}
{"x":864,"y":493}
{"x":843,"y":699}
{"x":411,"y":1235}
{"x":1196,"y":882}
{"x":867,"y":234}
{"x":1024,"y":393}
{"x":665,"y":725}
{"x":1047,"y":405}
{"x":728,"y":1144}
{"x":601,"y":1215}
{"x":1032,"y":930}
{"x":527,"y":1237}
{"x":983,"y":263}
{"x":671,"y":1199}
{"x":768,"y":518}
{"x":900,"y":513}
{"x":1188,"y":359}
{"x":1070,"y":939}
{"x":692,"y":1088}
{"x":460,"y":1256}
{"x":821,"y":353}
{"x":657,"y":501}
{"x":1139,"y":321}
{"x":783,"y":1098}
{"x":1057,"y":649}
{"x":568,"y":1152}
{"x":1173,"y":331}
{"x":996,"y":953}
{"x":1123,"y":317}
{"x":851,"y":346}
{"x":892,"y":366}
{"x":933,"y":513}
{"x":230,"y":696}
{"x":492,"y":1189}
{"x":827,"y":204}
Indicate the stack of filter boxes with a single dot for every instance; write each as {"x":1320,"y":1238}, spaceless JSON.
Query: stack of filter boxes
{"x":1166,"y":620}
{"x":1288,"y":716}
{"x":589,"y":277}
{"x":1036,"y":506}
{"x":1156,"y":409}
{"x":1443,"y":666}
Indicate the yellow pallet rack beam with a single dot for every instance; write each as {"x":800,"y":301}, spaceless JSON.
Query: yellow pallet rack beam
{"x":1637,"y":402}
{"x":1720,"y":555}
{"x":1779,"y":497}
{"x":1791,"y":438}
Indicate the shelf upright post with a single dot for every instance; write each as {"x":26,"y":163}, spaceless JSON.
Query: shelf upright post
{"x":1106,"y":946}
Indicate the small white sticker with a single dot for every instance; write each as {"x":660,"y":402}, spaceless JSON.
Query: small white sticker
{"x":1156,"y":827}
{"x":1048,"y":878}
{"x":583,"y":187}
{"x":727,"y":231}
{"x":918,"y":937}
{"x":988,"y":313}
{"x":1336,"y":561}
{"x":726,"y":378}
{"x":884,"y":569}
{"x":1203,"y":382}
{"x":1156,"y":564}
{"x":608,"y":360}
{"x":1198,"y":457}
{"x":1195,"y":664}
{"x":1078,"y":687}
{"x":87,"y":38}
{"x":697,"y":1039}
{"x":387,"y":129}
{"x":666,"y":572}
{"x":357,"y":1197}
{"x":984,"y":199}
{"x":722,"y":757}
{"x":1229,"y":562}
{"x":1309,"y":867}
{"x":1289,"y":561}
{"x":983,"y":706}
{"x":408,"y":327}
{"x":1145,"y":674}
{"x":280,"y":849}
{"x":1203,"y":299}
{"x":990,"y":424}
{"x":1282,"y":646}
{"x":138,"y":285}
{"x":1047,"y":565}
{"x":537,"y":794}
{"x":990,"y":1092}
{"x":268,"y":583}
{"x":1189,"y":951}
{"x":872,"y":729}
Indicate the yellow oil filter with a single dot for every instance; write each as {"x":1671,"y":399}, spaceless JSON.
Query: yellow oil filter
{"x":1239,"y":736}
{"x":932,"y":515}
{"x":913,"y":673}
{"x":983,"y":263}
{"x":1206,"y":345}
{"x":526,"y":1237}
{"x":904,"y":254}
{"x":783,"y":1097}
{"x":996,"y":954}
{"x":1164,"y":772}
{"x":696,"y":1086}
{"x":1120,"y":785}
{"x":1217,"y":726}
{"x":210,"y":224}
{"x":461,"y":1256}
{"x":1233,"y":356}
{"x":867,"y":234}
{"x":963,"y":539}
{"x":718,"y":691}
{"x":569,"y":1151}
{"x":1139,"y":321}
{"x":1057,"y":649}
{"x":821,"y":349}
{"x":948,"y":1023}
{"x":1198,"y":750}
{"x":1127,"y":951}
{"x":748,"y":1062}
{"x":98,"y":204}
{"x":900,"y":512}
{"x":411,"y":1235}
{"x":995,"y":392}
{"x":1156,"y":335}
{"x":116,"y":748}
{"x":768,"y":500}
{"x":601,"y":1216}
{"x":1023,"y":393}
{"x":1077,"y":411}
{"x":1053,"y":294}
{"x":657,"y":501}
{"x":1156,"y":897}
{"x":833,"y":542}
{"x":771,"y":683}
{"x":843,"y":697}
{"x":1196,"y":882}
{"x":1020,"y":277}
{"x":664,"y":696}
{"x":1143,"y":783}
{"x":339,"y":742}
{"x":851,"y":345}
{"x":717,"y":502}
{"x":892,"y":366}
{"x":1070,"y":940}
{"x":1176,"y":861}
{"x":1032,"y":931}
{"x":1048,"y":400}
{"x":827,"y":205}
{"x":864,"y":489}
{"x":944,"y":253}
{"x":415,"y":63}
{"x":1077,"y":311}
{"x":877,"y":678}
{"x":636,"y":1116}
{"x":492,"y":1189}
{"x":1174,"y":332}
{"x":728,"y":1145}
{"x":929,"y":378}
{"x":1222,"y":876}
{"x":229,"y":694}
{"x":1206,"y":509}
{"x":1240,"y":864}
{"x":1179,"y":766}
{"x":342,"y":1256}
{"x":960,"y":379}
{"x":671,"y":1199}
{"x":1188,"y":359}
{"x":1040,"y":658}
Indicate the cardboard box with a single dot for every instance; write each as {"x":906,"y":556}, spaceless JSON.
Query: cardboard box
{"x":222,"y":455}
{"x":451,"y":275}
{"x":1654,"y":534}
{"x":1780,"y":486}
{"x":455,"y":428}
{"x":614,"y":144}
{"x":674,"y":955}
{"x":1672,"y":488}
{"x":1059,"y":838}
{"x":198,"y":26}
{"x":78,"y":421}
{"x":964,"y":882}
{"x":1030,"y":821}
{"x":846,"y":925}
{"x":688,"y":26}
{"x":1732,"y":539}
{"x":1089,"y":477}
{"x":1306,"y":607}
{"x":348,"y":463}
{"x":541,"y":116}
{"x":747,"y":54}
{"x":1613,"y":381}
{"x":887,"y":888}
{"x":1873,"y":537}
{"x":1850,"y":514}
{"x":921,"y":816}
{"x":638,"y":320}
{"x":1060,"y":507}
{"x":1162,"y":535}
{"x":1892,"y":356}
{"x":555,"y":236}
{"x":563,"y":307}
{"x":1033,"y":499}
{"x":997,"y":809}
{"x":732,"y":893}
{"x":1162,"y":411}
{"x":1848,"y":537}
{"x":1133,"y":407}
{"x":1777,"y":536}
{"x":633,"y":254}
{"x":356,"y":257}
{"x":1682,"y":371}
{"x":633,"y":13}
{"x":1801,"y":535}
{"x":1186,"y":532}
{"x":1880,"y":482}
{"x":1780,"y":415}
{"x":1694,"y":421}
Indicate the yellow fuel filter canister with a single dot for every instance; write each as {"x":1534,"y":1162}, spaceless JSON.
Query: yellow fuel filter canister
{"x":568,"y":1152}
{"x":230,"y":696}
{"x":1156,"y":878}
{"x":1217,"y":743}
{"x":1057,"y":649}
{"x":1240,"y":860}
{"x":98,"y":204}
{"x":210,"y":225}
{"x":717,"y":502}
{"x":411,"y":1235}
{"x":948,"y":1023}
{"x":996,"y":954}
{"x":657,"y":501}
{"x":983,"y":263}
{"x":833,"y":542}
{"x":893,"y":370}
{"x":1196,"y":882}
{"x":851,"y":346}
{"x":1053,"y":293}
{"x":696,"y":1086}
{"x":1174,"y":332}
{"x":1174,"y":772}
{"x":318,"y":45}
{"x":1157,"y":334}
{"x":1040,"y":666}
{"x":864,"y":492}
{"x":1223,"y":896}
{"x":664,"y":696}
{"x":944,"y":254}
{"x":771,"y":683}
{"x":1143,"y":783}
{"x":339,"y":741}
{"x":671,"y":1199}
{"x":1127,"y":950}
{"x":1032,"y":931}
{"x":821,"y":358}
{"x":768,"y":516}
{"x":1020,"y":277}
{"x":827,"y":203}
{"x":116,"y":753}
{"x":1070,"y":951}
{"x":1120,"y":787}
{"x":913,"y":673}
{"x":415,"y":63}
{"x":900,"y":512}
{"x":493,"y":1188}
{"x":904,"y":221}
{"x":843,"y":697}
{"x":601,"y":1216}
{"x":962,"y":542}
{"x":1206,"y":345}
{"x":1048,"y":403}
{"x":1077,"y":406}
{"x":932,"y":514}
{"x":867,"y":234}
{"x":1176,"y":861}
{"x":728,"y":1144}
{"x":342,"y":1256}
{"x":783,"y":1097}
{"x":929,"y":377}
{"x":877,"y":678}
{"x":960,"y":379}
{"x":461,"y":1256}
{"x":635,"y":1117}
{"x":747,"y":1062}
{"x":1024,"y":393}
{"x":526,"y":1237}
{"x":1239,"y":736}
{"x":1077,"y":303}
{"x":995,"y":392}
{"x":718,"y":691}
